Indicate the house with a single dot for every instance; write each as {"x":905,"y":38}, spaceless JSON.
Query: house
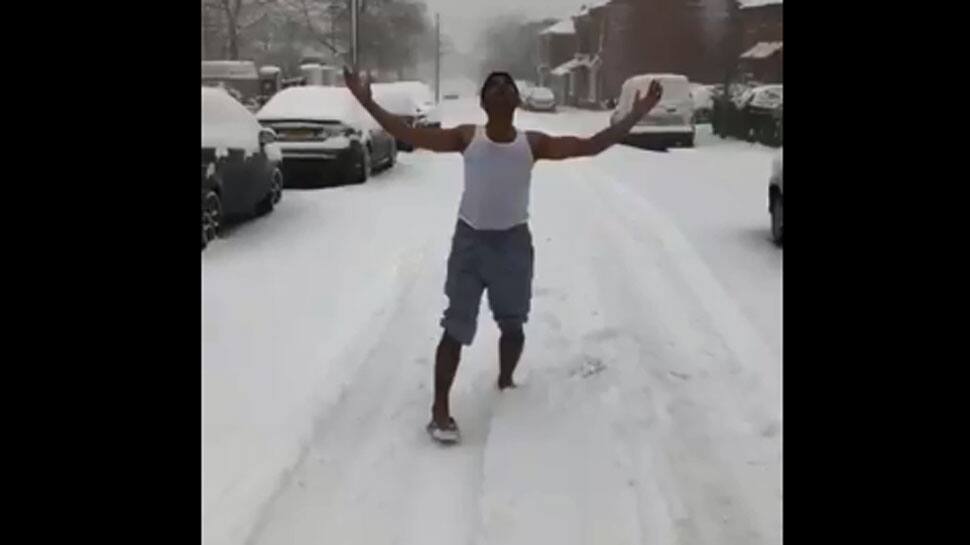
{"x":557,"y":46}
{"x":761,"y":40}
{"x":617,"y":39}
{"x":583,"y":73}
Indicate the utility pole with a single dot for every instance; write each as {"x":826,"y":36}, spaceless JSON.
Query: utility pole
{"x":437,"y":57}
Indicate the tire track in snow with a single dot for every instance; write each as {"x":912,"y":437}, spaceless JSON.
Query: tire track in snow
{"x":554,"y":471}
{"x":370,"y":474}
{"x":714,"y":409}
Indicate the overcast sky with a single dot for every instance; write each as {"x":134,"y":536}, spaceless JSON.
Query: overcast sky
{"x":463,"y":20}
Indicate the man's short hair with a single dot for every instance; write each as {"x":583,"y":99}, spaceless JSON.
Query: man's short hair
{"x":493,"y":75}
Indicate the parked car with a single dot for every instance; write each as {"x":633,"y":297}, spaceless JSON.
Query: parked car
{"x":727,"y":116}
{"x":776,"y":199}
{"x":240,"y":78}
{"x":763,"y":115}
{"x":671,"y":122}
{"x":428,"y":112}
{"x":325,"y":135}
{"x":399,"y":102}
{"x":540,"y":99}
{"x":752,"y":113}
{"x":703,"y":102}
{"x":240,"y":163}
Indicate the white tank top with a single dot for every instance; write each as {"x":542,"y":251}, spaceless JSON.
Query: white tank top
{"x":497,"y":180}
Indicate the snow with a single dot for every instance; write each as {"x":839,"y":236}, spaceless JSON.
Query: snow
{"x":333,"y":143}
{"x":313,"y":103}
{"x":566,"y":67}
{"x":541,"y":93}
{"x":649,"y":401}
{"x":273,"y":152}
{"x":762,"y":50}
{"x":422,"y":95}
{"x":564,"y":26}
{"x":227,"y":124}
{"x":661,"y":129}
{"x":394,"y":99}
{"x":591,"y":5}
{"x":767,"y":96}
{"x":676,"y":90}
{"x":702,"y":95}
{"x":745,"y":4}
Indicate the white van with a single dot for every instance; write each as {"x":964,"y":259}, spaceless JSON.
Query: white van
{"x":671,"y":121}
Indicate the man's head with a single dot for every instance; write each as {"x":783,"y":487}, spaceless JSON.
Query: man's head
{"x":499,"y":93}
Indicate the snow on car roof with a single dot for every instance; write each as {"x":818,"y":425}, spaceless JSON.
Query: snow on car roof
{"x":648,"y":77}
{"x":642,"y":80}
{"x":762,"y":50}
{"x":315,"y":103}
{"x":394,"y":99}
{"x":420,"y":88}
{"x":226,"y":123}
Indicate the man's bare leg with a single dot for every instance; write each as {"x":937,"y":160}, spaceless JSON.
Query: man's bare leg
{"x":510,"y":346}
{"x":446,"y":361}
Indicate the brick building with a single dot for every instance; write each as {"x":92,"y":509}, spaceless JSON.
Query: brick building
{"x":761,"y":40}
{"x":616,"y":39}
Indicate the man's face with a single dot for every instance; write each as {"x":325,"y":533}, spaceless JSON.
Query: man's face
{"x":500,"y":93}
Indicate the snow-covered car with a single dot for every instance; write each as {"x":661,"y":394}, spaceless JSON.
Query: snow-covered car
{"x":326,"y":135}
{"x":776,"y":199}
{"x":762,"y":110}
{"x":703,"y":102}
{"x":240,"y":163}
{"x":540,"y":99}
{"x":669,"y":122}
{"x":428,"y":112}
{"x":399,"y":102}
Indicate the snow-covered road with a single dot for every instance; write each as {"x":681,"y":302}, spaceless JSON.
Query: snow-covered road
{"x":649,"y":407}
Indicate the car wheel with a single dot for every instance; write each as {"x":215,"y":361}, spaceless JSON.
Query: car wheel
{"x":777,"y":219}
{"x":277,"y":187}
{"x":392,"y":156}
{"x":274,"y":195}
{"x":362,"y":164}
{"x":211,"y":217}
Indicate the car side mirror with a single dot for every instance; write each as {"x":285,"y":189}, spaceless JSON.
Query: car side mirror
{"x":266,"y":136}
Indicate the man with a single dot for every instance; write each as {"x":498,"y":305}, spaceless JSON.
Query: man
{"x":492,"y":246}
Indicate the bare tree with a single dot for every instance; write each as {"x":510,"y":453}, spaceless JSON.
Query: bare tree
{"x":228,"y":19}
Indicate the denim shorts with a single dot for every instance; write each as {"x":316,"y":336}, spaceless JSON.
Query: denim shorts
{"x":499,"y":261}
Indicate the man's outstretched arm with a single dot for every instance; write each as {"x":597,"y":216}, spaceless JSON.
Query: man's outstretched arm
{"x":443,"y":140}
{"x":565,"y":147}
